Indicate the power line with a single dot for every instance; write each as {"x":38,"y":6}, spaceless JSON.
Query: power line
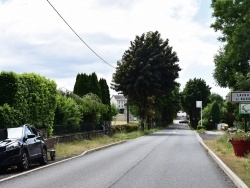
{"x":79,"y":36}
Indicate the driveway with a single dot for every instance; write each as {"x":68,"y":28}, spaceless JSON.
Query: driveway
{"x":211,"y":135}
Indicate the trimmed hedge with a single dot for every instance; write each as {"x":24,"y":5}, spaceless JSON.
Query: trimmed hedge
{"x":27,"y":98}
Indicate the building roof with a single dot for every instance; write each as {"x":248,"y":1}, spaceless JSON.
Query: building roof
{"x":119,"y":97}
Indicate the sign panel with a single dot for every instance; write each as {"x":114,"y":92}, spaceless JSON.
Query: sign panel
{"x":240,"y":96}
{"x":198,"y":104}
{"x":244,"y":108}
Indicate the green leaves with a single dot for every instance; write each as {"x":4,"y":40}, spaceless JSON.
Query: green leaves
{"x":149,"y":65}
{"x":67,"y":112}
{"x":9,"y":87}
{"x":148,"y":68}
{"x":27,"y":98}
{"x":232,"y":18}
{"x":86,"y":84}
{"x":195,"y":90}
{"x":7,"y":116}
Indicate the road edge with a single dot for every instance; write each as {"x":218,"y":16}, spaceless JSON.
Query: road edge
{"x":237,"y":181}
{"x":61,"y":161}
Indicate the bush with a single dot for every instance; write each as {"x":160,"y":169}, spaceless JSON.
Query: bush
{"x":201,"y":127}
{"x":125,"y":128}
{"x":201,"y":131}
{"x":7,"y":116}
{"x":241,"y":125}
{"x":27,"y":98}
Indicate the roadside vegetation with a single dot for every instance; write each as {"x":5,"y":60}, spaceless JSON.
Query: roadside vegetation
{"x":65,"y":150}
{"x":224,"y":150}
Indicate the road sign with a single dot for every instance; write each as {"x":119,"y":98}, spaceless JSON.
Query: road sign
{"x":198,"y":104}
{"x":240,"y":96}
{"x":244,"y":108}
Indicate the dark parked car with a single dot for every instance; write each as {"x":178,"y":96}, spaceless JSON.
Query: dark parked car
{"x":21,"y":145}
{"x":184,"y":121}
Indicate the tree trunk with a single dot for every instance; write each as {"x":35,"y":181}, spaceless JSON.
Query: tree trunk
{"x":142,"y":124}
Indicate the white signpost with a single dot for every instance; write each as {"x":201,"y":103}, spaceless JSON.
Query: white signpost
{"x":240,"y":96}
{"x":199,"y":105}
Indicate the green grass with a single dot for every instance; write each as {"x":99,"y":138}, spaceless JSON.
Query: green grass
{"x":64,"y":150}
{"x":224,"y":150}
{"x":134,"y":134}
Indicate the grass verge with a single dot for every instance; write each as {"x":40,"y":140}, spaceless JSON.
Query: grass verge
{"x":64,"y":150}
{"x":224,"y":150}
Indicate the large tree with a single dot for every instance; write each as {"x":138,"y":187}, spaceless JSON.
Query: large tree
{"x":195,"y":90}
{"x":86,"y":84}
{"x":94,"y":86}
{"x":82,"y":84}
{"x":167,"y":106}
{"x":232,"y":19}
{"x":105,"y":98}
{"x":148,"y":68}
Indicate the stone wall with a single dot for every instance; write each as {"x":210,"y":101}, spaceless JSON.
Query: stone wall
{"x":72,"y":137}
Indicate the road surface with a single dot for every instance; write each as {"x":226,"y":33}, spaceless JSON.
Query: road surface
{"x":169,"y":158}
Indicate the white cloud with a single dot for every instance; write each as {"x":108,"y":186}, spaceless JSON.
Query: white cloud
{"x":33,"y":38}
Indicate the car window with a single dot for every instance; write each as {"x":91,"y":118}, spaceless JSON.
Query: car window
{"x":27,"y":131}
{"x":11,"y":133}
{"x":33,"y":129}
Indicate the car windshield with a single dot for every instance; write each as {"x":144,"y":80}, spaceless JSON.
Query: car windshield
{"x":11,"y":133}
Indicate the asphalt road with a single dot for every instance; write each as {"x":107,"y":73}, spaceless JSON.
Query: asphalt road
{"x":168,"y":158}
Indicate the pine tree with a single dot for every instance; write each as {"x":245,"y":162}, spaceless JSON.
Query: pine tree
{"x":105,"y":97}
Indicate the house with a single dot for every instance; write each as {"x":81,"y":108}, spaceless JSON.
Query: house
{"x":120,"y":102}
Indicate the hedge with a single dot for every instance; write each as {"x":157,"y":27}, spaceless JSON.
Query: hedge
{"x":27,"y":99}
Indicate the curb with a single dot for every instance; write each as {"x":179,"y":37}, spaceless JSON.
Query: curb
{"x":48,"y":165}
{"x":102,"y":147}
{"x":237,"y":181}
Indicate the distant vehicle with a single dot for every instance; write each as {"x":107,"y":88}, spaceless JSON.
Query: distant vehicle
{"x":183,"y":121}
{"x":21,"y":145}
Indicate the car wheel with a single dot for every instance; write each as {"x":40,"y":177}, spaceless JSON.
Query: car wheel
{"x":53,"y":155}
{"x":44,"y":158}
{"x":24,"y":165}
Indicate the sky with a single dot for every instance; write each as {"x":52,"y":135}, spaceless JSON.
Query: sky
{"x":33,"y":37}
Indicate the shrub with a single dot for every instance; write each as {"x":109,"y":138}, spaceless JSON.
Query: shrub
{"x":201,"y":131}
{"x":125,"y":128}
{"x":7,"y":116}
{"x":201,"y":127}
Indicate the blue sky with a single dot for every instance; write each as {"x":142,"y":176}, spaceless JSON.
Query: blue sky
{"x":33,"y":38}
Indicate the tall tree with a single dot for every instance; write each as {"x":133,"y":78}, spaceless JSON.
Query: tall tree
{"x":216,"y":98}
{"x":215,"y":114}
{"x":105,"y":97}
{"x":148,"y":68}
{"x":232,"y":18}
{"x":195,"y":90}
{"x":94,"y":86}
{"x":82,"y":85}
{"x":167,"y":106}
{"x":77,"y":85}
{"x":211,"y":115}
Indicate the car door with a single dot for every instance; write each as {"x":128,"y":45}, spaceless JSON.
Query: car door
{"x":38,"y":144}
{"x":30,"y":140}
